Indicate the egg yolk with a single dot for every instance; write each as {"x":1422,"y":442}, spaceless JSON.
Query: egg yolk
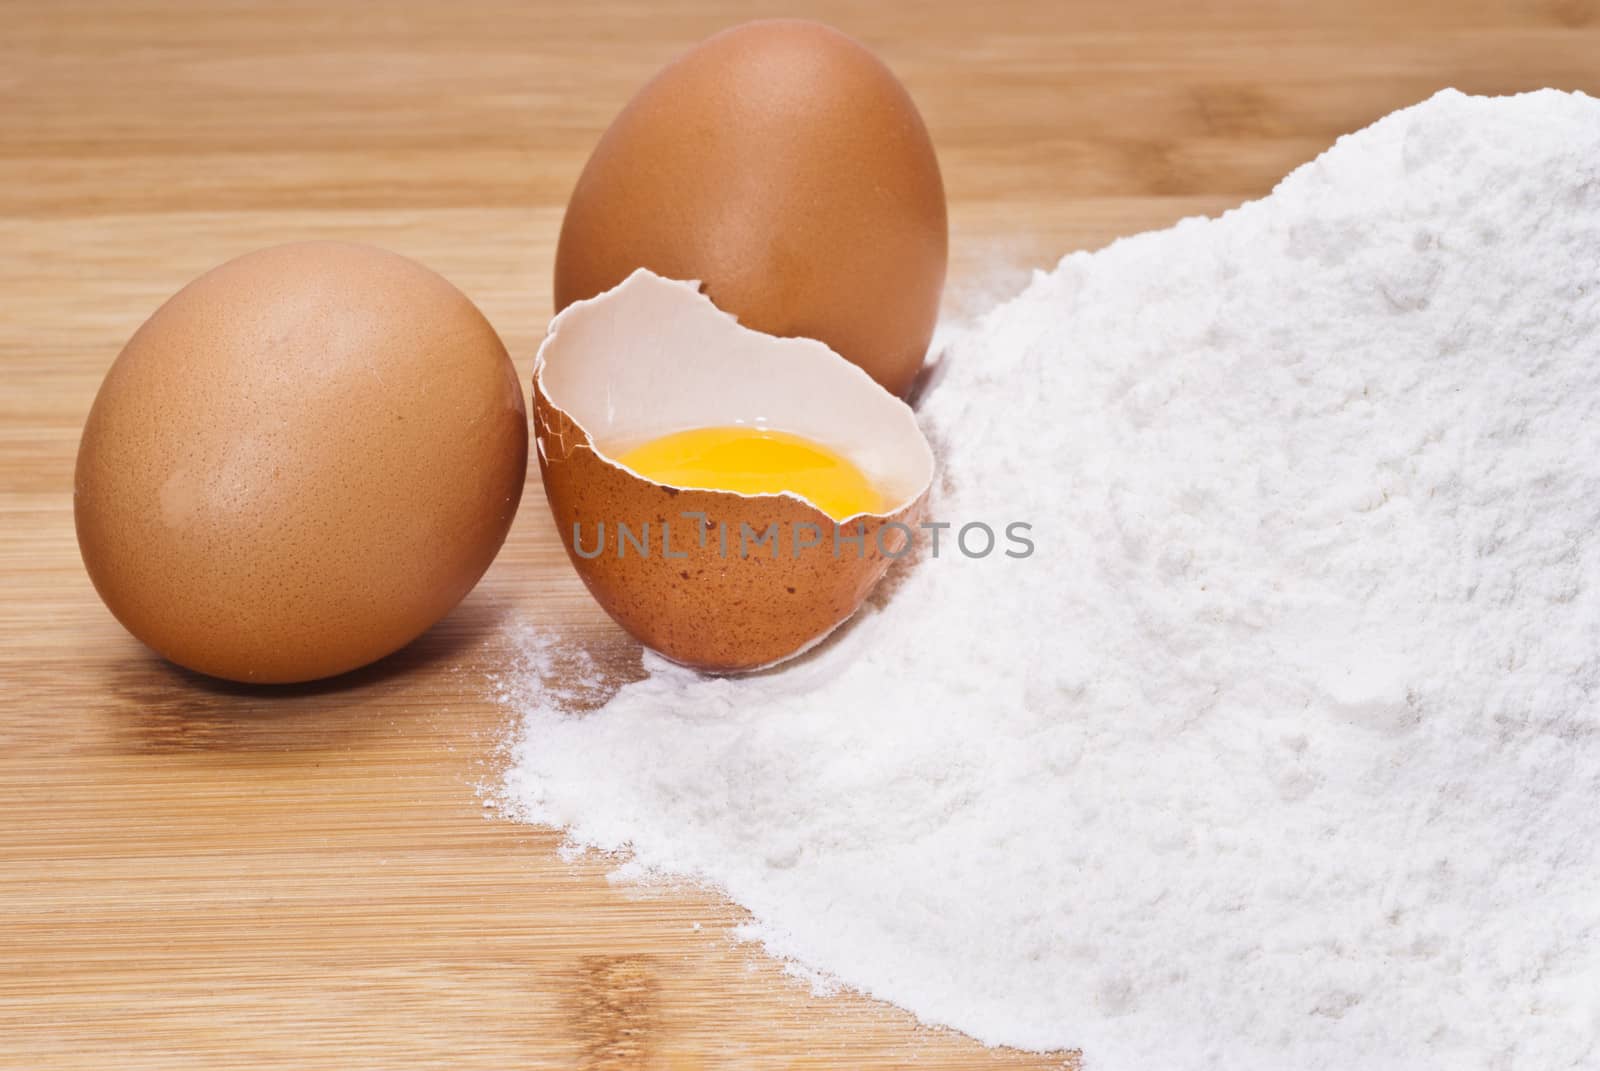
{"x":756,"y":461}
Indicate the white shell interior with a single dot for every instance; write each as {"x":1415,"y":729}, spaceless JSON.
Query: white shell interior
{"x":652,"y":356}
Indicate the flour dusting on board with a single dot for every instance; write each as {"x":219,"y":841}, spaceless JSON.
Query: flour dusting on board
{"x":1283,"y":750}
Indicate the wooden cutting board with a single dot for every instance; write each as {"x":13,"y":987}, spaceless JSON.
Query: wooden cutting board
{"x":195,"y":874}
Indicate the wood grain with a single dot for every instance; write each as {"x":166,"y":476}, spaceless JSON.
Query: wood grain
{"x":200,"y":875}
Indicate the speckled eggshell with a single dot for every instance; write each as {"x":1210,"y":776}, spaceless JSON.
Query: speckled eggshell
{"x":654,"y":356}
{"x":299,"y":463}
{"x":783,"y":165}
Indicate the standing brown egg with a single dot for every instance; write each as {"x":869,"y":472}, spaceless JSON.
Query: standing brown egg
{"x":782,"y":165}
{"x":301,"y":461}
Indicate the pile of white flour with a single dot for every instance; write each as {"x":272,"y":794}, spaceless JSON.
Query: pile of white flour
{"x":1283,"y":751}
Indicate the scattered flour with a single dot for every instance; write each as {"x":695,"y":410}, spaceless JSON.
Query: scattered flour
{"x":1283,"y":752}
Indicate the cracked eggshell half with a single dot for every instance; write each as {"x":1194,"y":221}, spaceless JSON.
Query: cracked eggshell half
{"x":654,"y":356}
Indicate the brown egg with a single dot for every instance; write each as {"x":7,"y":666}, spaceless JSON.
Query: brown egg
{"x":301,"y":461}
{"x":784,"y":166}
{"x":713,"y":579}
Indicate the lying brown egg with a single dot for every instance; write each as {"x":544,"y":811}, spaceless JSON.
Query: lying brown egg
{"x":721,"y":580}
{"x":784,"y":166}
{"x":301,"y":461}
